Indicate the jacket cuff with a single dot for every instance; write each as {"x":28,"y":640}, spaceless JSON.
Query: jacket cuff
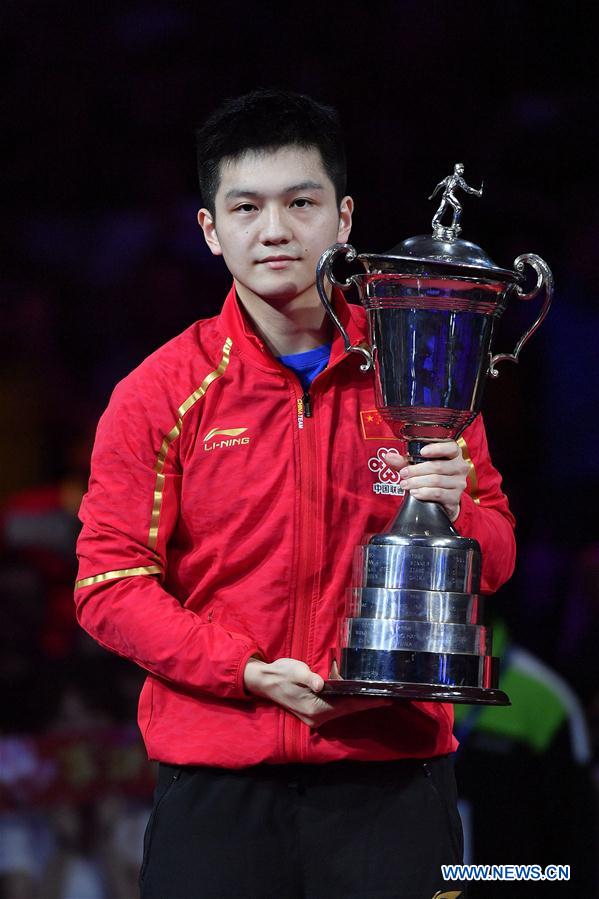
{"x":240,"y":691}
{"x":464,"y":521}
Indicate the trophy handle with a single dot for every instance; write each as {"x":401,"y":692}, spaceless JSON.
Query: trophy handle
{"x":544,"y":279}
{"x":324,"y":269}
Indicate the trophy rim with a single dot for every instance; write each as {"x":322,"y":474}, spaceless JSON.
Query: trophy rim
{"x":441,"y":541}
{"x":447,"y":265}
{"x":412,"y":691}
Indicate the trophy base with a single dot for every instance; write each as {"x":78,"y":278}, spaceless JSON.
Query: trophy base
{"x":423,"y":676}
{"x":420,"y":692}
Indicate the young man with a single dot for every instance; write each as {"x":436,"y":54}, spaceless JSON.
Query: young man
{"x":230,"y":483}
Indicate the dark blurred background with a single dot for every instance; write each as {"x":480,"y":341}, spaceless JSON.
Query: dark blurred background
{"x":102,"y":261}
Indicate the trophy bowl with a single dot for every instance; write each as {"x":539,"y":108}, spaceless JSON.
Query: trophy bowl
{"x":414,"y":623}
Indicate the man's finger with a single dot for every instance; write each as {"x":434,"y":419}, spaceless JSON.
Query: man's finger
{"x":448,"y":449}
{"x":440,"y":468}
{"x":456,"y":480}
{"x":316,"y":683}
{"x":395,"y":460}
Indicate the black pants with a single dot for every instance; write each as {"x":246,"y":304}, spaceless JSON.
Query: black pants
{"x":348,"y":830}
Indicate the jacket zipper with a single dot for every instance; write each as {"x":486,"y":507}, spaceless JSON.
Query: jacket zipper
{"x":307,"y":404}
{"x":308,"y":542}
{"x":304,"y":409}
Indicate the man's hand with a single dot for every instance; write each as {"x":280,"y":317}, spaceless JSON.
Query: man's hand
{"x":442,"y":480}
{"x":292,"y":685}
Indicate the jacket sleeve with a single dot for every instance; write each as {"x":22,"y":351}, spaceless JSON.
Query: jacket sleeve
{"x":484,"y":511}
{"x":119,"y":597}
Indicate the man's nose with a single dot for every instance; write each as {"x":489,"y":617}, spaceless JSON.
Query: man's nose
{"x":275,"y":226}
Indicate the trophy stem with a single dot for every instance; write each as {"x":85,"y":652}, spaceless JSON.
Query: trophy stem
{"x":417,"y":518}
{"x":421,"y":519}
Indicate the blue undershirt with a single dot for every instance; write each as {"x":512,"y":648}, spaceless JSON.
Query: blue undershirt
{"x":307,"y":365}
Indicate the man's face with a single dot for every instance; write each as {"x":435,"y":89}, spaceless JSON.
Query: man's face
{"x":275,"y":214}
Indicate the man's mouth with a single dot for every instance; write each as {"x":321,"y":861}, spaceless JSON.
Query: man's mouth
{"x":276,"y":262}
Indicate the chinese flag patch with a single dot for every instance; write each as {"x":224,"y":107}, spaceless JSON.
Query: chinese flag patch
{"x":374,"y":426}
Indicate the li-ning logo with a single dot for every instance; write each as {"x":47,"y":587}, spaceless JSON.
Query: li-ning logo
{"x":388,"y":478}
{"x":231,"y":433}
{"x":452,"y":894}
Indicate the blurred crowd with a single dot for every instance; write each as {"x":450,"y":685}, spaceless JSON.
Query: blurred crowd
{"x":102,"y":261}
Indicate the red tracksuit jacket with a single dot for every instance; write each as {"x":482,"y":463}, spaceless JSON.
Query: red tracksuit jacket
{"x":221,"y":520}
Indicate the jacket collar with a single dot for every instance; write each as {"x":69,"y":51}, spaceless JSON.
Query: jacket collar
{"x":235,"y":324}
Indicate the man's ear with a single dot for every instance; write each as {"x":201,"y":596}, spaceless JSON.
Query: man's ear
{"x":206,"y":223}
{"x":346,"y":208}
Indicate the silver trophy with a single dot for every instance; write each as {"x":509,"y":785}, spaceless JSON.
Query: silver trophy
{"x":414,"y":624}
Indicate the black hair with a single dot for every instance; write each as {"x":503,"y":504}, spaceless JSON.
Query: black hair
{"x":268,"y":120}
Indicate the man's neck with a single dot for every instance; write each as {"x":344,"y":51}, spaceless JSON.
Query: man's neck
{"x":291,"y":326}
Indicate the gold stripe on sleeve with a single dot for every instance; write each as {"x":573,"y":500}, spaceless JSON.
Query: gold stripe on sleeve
{"x":172,"y":436}
{"x":114,"y":575}
{"x":472,"y":478}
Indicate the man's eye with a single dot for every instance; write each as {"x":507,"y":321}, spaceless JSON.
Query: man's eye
{"x":245,"y":207}
{"x":302,"y":203}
